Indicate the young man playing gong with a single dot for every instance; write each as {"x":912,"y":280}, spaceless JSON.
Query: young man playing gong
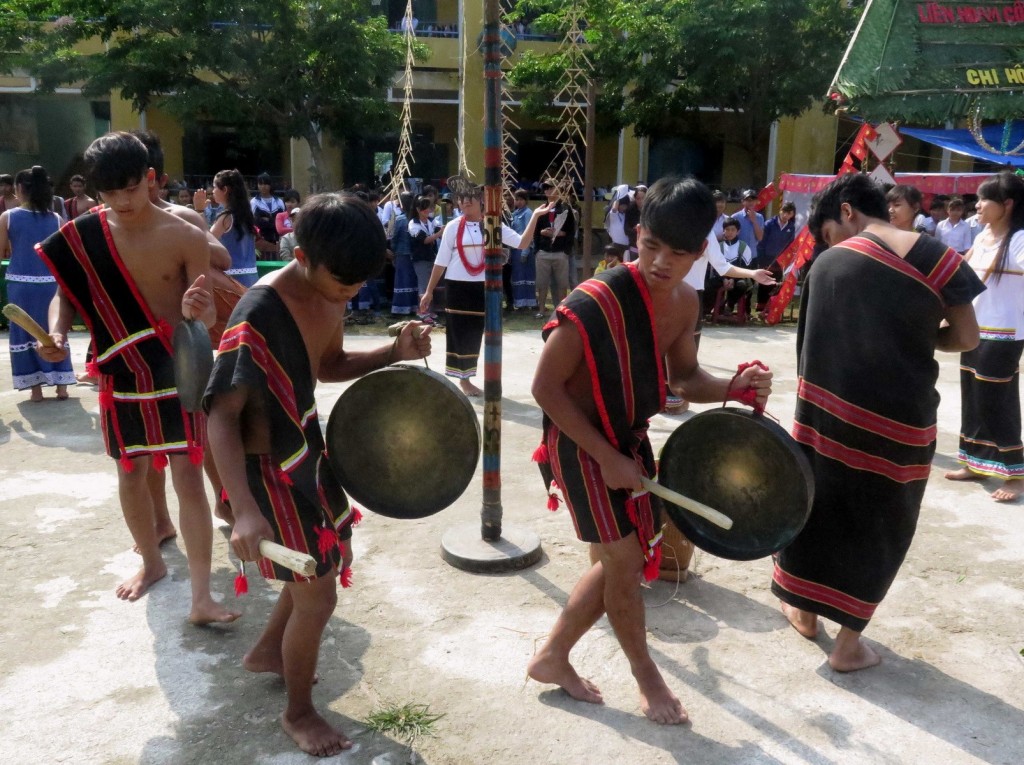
{"x":133,"y":271}
{"x":599,"y":380}
{"x":284,"y":335}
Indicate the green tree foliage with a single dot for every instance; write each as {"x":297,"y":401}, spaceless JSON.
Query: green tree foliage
{"x":299,"y":66}
{"x":659,"y":62}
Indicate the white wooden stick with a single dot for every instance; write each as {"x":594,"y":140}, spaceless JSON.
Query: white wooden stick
{"x":695,"y":507}
{"x":298,"y":562}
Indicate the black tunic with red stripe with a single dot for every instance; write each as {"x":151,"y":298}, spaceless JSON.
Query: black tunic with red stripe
{"x":262,"y":349}
{"x":139,"y":406}
{"x":614,"y":317}
{"x":866,"y":416}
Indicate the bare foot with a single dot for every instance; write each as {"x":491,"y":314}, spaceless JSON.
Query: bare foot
{"x":163,"y":534}
{"x":263,"y":661}
{"x":222,"y":510}
{"x":86,"y":379}
{"x":548,"y":669}
{"x":657,"y":701}
{"x":209,"y":611}
{"x":803,"y":622}
{"x":260,"y":662}
{"x":62,"y":392}
{"x":37,"y":394}
{"x":963,"y":474}
{"x":1008,"y":492}
{"x":851,"y":658}
{"x":469,"y":389}
{"x":134,"y":588}
{"x":314,"y":735}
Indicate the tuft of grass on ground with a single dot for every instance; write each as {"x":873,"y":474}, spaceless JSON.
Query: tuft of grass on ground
{"x":408,"y":722}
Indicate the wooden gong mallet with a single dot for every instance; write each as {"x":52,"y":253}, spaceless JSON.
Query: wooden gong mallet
{"x":300,"y":563}
{"x":291,"y":559}
{"x":30,"y":325}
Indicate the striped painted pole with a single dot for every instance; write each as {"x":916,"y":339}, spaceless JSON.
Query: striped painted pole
{"x":491,"y":512}
{"x":495,"y":549}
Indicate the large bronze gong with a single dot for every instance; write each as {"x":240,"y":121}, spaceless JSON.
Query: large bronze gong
{"x":403,"y":441}
{"x":747,"y":467}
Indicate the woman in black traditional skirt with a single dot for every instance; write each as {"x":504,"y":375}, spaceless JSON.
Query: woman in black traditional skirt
{"x":461,"y":254}
{"x":990,"y":430}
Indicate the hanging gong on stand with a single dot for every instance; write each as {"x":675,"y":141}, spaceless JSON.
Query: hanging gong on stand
{"x":403,"y":441}
{"x":747,"y":467}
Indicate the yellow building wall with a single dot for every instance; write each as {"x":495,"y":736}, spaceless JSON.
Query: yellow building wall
{"x":806,"y":144}
{"x":171,"y":134}
{"x":168,"y":128}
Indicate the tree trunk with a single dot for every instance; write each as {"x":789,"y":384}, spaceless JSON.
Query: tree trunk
{"x":319,"y":174}
{"x":757,"y":149}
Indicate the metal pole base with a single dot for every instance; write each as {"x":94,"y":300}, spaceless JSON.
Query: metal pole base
{"x":516,"y":549}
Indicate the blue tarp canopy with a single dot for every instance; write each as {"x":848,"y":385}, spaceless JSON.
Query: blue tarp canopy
{"x":962,"y":142}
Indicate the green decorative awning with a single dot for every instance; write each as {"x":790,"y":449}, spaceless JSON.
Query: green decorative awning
{"x":929,"y":62}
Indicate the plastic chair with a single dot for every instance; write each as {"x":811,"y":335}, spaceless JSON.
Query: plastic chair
{"x":741,"y":314}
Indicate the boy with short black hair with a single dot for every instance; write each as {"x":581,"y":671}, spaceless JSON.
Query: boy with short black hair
{"x":133,"y":271}
{"x":750,"y":220}
{"x":595,"y":443}
{"x":80,"y":202}
{"x":286,"y":333}
{"x":738,"y":254}
{"x":954,"y":231}
{"x":722,"y":215}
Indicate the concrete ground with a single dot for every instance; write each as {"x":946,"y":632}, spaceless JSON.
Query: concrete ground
{"x":86,"y":678}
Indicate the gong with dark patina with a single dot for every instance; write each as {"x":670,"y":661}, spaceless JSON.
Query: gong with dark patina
{"x":742,"y":464}
{"x":193,"y":362}
{"x":403,"y":441}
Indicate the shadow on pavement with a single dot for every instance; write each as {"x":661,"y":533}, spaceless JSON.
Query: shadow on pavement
{"x":227,"y":715}
{"x":679,"y":741}
{"x":58,"y":424}
{"x":929,"y":699}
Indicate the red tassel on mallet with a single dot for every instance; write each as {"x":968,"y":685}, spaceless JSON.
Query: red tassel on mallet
{"x":241,"y":583}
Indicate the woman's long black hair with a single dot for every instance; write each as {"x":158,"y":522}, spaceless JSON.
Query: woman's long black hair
{"x":36,"y":184}
{"x":237,"y":203}
{"x":1002,"y":188}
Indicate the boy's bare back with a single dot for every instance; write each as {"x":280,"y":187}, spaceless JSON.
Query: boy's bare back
{"x":163,"y":255}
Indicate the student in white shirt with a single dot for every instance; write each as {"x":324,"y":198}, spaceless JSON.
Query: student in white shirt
{"x":954,"y":231}
{"x":720,"y":201}
{"x":696,"y":277}
{"x":615,"y":220}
